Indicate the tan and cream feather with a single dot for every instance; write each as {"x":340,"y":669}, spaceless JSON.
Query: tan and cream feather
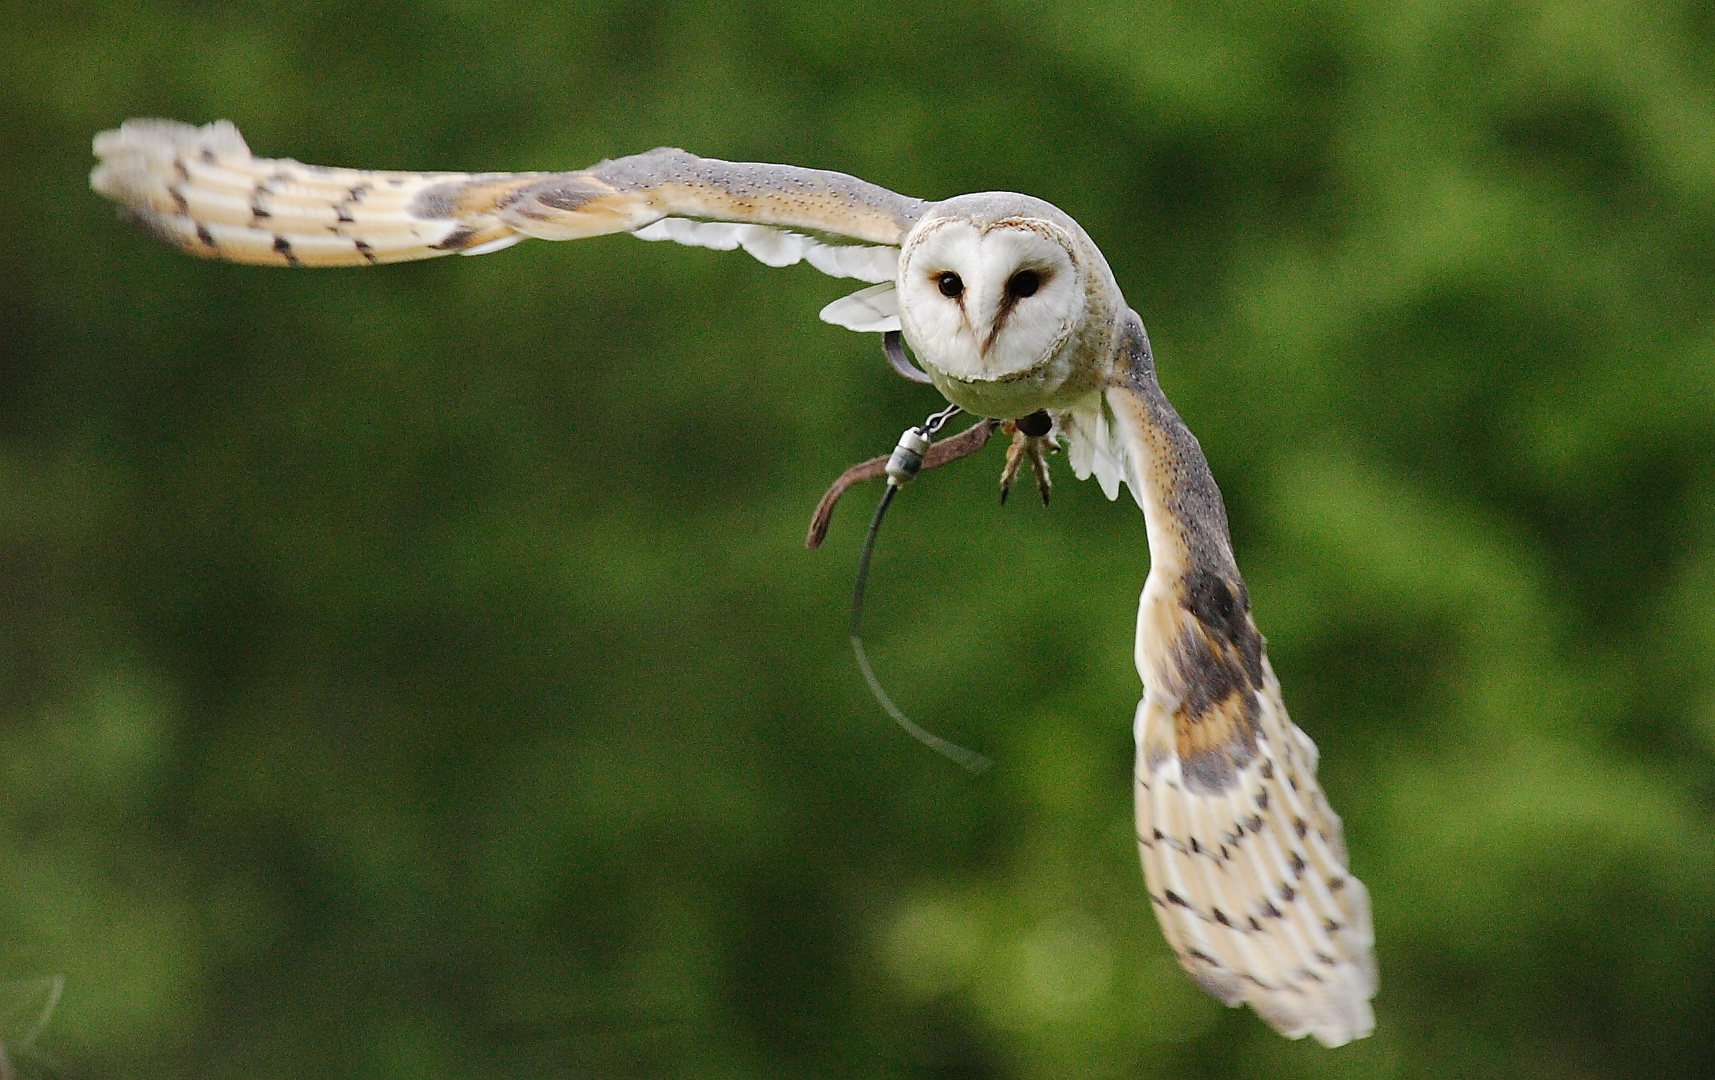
{"x":203,"y":191}
{"x":1012,"y":311}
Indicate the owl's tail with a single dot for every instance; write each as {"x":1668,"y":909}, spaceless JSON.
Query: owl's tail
{"x":201,"y":190}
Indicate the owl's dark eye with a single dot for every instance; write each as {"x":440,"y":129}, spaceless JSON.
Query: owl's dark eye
{"x":950,"y":284}
{"x":1024,"y":283}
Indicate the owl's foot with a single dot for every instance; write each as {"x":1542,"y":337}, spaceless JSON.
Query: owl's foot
{"x":1032,"y":437}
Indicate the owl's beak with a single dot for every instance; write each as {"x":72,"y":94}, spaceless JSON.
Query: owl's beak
{"x":985,"y":308}
{"x":996,"y":320}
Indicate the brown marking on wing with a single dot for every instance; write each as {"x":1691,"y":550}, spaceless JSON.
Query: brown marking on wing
{"x":1215,"y":671}
{"x":463,"y":197}
{"x":1195,"y":633}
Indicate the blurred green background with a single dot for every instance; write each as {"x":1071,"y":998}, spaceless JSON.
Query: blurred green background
{"x":418,"y":672}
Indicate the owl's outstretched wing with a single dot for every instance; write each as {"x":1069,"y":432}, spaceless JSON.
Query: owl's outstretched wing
{"x":1244,"y":858}
{"x":1246,"y":863}
{"x":201,"y":190}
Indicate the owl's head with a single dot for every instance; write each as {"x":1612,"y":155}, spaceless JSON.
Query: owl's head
{"x":1003,"y":297}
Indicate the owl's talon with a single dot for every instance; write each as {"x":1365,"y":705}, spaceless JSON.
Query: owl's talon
{"x":1014,"y":457}
{"x":1033,"y":438}
{"x":1039,"y":465}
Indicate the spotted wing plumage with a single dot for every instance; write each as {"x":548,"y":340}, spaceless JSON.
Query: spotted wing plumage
{"x":201,"y":190}
{"x":1248,"y":874}
{"x":1244,"y":859}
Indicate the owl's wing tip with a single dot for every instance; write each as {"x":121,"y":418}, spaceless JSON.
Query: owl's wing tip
{"x":1359,"y":1023}
{"x":1335,"y":1011}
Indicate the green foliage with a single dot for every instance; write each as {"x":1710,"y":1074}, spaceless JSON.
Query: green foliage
{"x":418,"y":672}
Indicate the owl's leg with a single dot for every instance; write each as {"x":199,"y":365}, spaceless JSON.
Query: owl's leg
{"x":1032,"y":437}
{"x":961,"y":445}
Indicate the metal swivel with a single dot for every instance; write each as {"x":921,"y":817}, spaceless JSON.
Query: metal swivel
{"x":907,"y":456}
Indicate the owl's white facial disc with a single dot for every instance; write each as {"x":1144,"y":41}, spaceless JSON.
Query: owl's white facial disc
{"x":989,"y":302}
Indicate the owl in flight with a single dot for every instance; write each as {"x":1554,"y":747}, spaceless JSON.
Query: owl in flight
{"x":1012,"y":311}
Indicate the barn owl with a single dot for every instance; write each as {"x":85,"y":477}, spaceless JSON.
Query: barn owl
{"x":1011,"y":310}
